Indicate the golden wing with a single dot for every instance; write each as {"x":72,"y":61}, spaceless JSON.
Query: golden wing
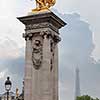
{"x":51,"y":3}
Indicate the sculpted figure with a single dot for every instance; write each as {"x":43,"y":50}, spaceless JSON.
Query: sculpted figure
{"x":37,"y":54}
{"x":44,"y":4}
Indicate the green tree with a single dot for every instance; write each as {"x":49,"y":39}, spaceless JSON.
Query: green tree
{"x":85,"y":97}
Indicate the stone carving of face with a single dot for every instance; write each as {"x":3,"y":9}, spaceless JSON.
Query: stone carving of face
{"x":37,"y":42}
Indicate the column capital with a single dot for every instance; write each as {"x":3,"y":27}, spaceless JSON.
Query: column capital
{"x":45,"y":34}
{"x":27,"y":36}
{"x":49,"y":34}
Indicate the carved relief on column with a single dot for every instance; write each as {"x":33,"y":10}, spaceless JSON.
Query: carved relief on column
{"x":37,"y":45}
{"x":52,"y":47}
{"x":37,"y":51}
{"x":36,"y":40}
{"x":50,"y":35}
{"x":37,"y":26}
{"x":54,"y":39}
{"x":30,"y":27}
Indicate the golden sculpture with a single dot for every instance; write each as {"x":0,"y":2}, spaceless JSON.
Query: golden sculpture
{"x":17,"y":92}
{"x":42,"y":5}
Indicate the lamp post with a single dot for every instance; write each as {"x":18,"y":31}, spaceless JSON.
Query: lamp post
{"x":8,"y":85}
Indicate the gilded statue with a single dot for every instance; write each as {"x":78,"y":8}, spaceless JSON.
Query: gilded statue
{"x":17,"y":92}
{"x":43,"y":5}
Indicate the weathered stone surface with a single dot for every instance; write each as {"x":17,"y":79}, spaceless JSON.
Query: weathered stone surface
{"x":41,"y":60}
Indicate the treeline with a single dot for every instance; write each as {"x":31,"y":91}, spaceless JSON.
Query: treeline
{"x":86,"y":97}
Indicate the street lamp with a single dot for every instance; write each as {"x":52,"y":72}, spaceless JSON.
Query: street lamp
{"x":8,"y":85}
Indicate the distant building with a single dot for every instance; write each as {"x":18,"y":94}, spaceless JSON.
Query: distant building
{"x":12,"y":96}
{"x":4,"y":96}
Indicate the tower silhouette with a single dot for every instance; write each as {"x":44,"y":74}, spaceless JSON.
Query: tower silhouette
{"x":77,"y":83}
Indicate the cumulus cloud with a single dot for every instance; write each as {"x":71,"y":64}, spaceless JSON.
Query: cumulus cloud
{"x":9,"y":48}
{"x":88,"y":9}
{"x":11,"y":63}
{"x":76,"y":49}
{"x":11,"y":45}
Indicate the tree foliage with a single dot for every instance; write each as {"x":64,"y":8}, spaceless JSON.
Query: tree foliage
{"x":85,"y":97}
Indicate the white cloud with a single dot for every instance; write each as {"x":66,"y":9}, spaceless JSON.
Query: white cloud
{"x":89,"y":11}
{"x":2,"y":74}
{"x":9,"y":49}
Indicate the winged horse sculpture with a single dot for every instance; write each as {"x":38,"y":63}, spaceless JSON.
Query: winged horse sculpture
{"x":43,"y":4}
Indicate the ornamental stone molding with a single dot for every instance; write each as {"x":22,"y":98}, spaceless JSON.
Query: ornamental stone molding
{"x":41,"y":26}
{"x":46,"y":33}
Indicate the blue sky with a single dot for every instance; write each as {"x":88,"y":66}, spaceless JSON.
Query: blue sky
{"x":79,"y":46}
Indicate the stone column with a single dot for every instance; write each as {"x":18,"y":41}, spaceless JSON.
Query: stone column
{"x":28,"y":70}
{"x":41,"y":65}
